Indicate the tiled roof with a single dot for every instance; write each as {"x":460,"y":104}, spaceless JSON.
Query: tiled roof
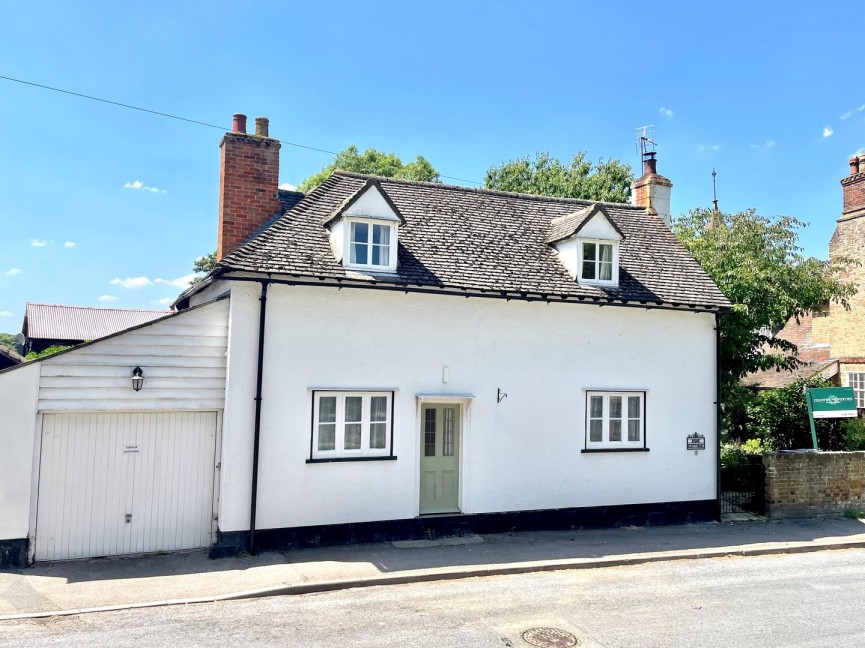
{"x":474,"y":239}
{"x":58,"y":322}
{"x":11,"y":354}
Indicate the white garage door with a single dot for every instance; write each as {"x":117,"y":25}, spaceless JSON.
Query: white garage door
{"x":125,"y":483}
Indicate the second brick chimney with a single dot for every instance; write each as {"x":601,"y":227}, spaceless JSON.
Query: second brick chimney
{"x":652,"y":190}
{"x":853,"y":186}
{"x":248,"y":183}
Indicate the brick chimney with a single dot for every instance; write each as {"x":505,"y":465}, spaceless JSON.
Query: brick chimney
{"x":651,"y":190}
{"x":248,"y":183}
{"x":853,"y":186}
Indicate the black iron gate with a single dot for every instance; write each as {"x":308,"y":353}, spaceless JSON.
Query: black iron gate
{"x":743,"y":487}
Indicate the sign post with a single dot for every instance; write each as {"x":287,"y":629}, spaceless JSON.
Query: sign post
{"x":829,"y":402}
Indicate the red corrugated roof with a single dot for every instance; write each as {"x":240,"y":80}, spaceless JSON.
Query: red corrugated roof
{"x":58,"y":322}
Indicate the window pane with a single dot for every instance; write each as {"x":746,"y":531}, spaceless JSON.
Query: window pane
{"x":606,"y":272}
{"x":595,"y":430}
{"x":359,"y":233}
{"x":378,"y":408}
{"x":615,"y":430}
{"x":606,"y":253}
{"x":380,"y":255}
{"x":633,"y":430}
{"x":589,"y":251}
{"x":381,"y":234}
{"x":588,"y":270}
{"x":615,"y":407}
{"x":634,"y":407}
{"x":352,"y":436}
{"x":358,"y":253}
{"x":429,"y":433}
{"x":596,"y":406}
{"x":448,"y":439}
{"x":378,"y":436}
{"x":353,"y":409}
{"x":327,"y":409}
{"x":327,"y":436}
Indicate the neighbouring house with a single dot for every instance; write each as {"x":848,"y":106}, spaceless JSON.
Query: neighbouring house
{"x":9,"y":357}
{"x":379,"y":359}
{"x":832,"y":343}
{"x":47,"y":325}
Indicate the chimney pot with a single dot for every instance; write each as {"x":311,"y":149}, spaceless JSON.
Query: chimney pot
{"x":650,"y":164}
{"x":262,"y":126}
{"x":238,"y":124}
{"x":854,"y":165}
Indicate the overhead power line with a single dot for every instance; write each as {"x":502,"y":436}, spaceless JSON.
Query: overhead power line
{"x":179,"y":118}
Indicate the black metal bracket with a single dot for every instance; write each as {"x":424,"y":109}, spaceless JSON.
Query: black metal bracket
{"x":500,"y":396}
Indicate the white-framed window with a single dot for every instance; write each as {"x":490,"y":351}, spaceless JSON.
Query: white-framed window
{"x":856,"y":380}
{"x":598,"y":262}
{"x":371,"y":244}
{"x":615,"y":420}
{"x":351,"y":425}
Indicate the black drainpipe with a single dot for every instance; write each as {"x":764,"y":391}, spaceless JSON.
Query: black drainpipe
{"x":254,"y":500}
{"x":718,"y":406}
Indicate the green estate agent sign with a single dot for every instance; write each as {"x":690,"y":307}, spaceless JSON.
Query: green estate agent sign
{"x":829,"y":402}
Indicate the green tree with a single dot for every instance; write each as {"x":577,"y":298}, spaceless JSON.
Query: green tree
{"x":46,"y":352}
{"x":608,"y":180}
{"x":205,"y":263}
{"x":373,"y":162}
{"x":10,"y":340}
{"x":757,"y":263}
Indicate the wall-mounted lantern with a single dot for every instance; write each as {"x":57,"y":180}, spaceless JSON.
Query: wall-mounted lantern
{"x":137,"y":379}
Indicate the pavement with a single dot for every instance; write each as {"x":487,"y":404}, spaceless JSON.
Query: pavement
{"x":76,"y":587}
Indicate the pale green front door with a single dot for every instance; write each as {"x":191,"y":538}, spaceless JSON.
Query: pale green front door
{"x":439,"y":459}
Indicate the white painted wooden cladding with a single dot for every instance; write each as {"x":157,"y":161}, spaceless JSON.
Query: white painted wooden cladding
{"x":90,"y":480}
{"x":183,"y":359}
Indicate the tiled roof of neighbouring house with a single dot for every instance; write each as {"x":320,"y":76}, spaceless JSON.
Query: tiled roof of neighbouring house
{"x":58,"y":322}
{"x":11,"y":354}
{"x":473,"y":239}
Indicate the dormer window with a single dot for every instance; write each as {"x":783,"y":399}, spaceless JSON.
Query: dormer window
{"x":597,"y":260}
{"x":364,"y":230}
{"x":370,"y":245}
{"x":587,"y":242}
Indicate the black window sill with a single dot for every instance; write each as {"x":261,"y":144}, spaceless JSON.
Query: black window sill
{"x":593,"y":450}
{"x":345,"y":459}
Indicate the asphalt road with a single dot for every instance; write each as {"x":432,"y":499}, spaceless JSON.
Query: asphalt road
{"x":814,"y":599}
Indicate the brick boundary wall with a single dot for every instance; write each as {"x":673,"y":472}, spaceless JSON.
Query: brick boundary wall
{"x":814,"y":484}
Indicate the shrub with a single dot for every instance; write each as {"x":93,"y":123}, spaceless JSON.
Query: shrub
{"x":736,"y":454}
{"x":854,"y":434}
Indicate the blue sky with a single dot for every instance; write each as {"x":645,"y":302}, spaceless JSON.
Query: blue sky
{"x":93,"y":196}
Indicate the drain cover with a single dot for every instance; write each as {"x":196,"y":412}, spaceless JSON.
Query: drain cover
{"x":550,"y":638}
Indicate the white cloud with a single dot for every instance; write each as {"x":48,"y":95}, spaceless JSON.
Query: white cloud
{"x":38,"y":242}
{"x":666,"y":112}
{"x":709,"y":147}
{"x":165,"y":301}
{"x":131,"y":282}
{"x":11,"y":272}
{"x":69,"y":244}
{"x":107,"y":298}
{"x":5,"y":313}
{"x":828,"y":132}
{"x":137,"y":184}
{"x":765,"y":145}
{"x":180,"y":282}
{"x":287,"y":186}
{"x":852,"y":111}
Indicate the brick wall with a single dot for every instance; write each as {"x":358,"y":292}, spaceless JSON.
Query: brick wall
{"x":847,"y":327}
{"x":854,"y":192}
{"x":814,"y":484}
{"x":248,"y":187}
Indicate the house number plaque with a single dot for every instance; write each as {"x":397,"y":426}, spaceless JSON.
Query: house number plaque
{"x":696,"y":442}
{"x":130,"y":448}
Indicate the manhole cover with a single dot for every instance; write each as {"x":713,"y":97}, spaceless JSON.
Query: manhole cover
{"x":550,"y":638}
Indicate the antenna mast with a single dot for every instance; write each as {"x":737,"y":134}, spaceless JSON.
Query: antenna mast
{"x":714,"y":190}
{"x":646,"y":146}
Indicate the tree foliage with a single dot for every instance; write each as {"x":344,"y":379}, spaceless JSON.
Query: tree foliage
{"x":46,"y":352}
{"x":10,"y":340}
{"x":373,"y":162}
{"x":758,"y":264}
{"x":205,"y":263}
{"x":608,"y":180}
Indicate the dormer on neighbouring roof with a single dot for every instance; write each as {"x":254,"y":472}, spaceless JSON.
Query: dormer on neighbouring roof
{"x":587,"y":242}
{"x":364,"y":230}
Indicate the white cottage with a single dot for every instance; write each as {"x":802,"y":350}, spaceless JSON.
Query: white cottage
{"x":379,"y":359}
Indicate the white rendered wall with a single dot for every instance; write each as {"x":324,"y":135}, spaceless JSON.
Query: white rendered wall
{"x":520,"y":454}
{"x":18,"y":391}
{"x":373,"y":205}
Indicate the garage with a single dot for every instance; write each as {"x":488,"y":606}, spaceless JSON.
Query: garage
{"x":125,"y":483}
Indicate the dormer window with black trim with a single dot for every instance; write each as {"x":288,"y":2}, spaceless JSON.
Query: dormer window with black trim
{"x":587,"y":242}
{"x":364,"y":230}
